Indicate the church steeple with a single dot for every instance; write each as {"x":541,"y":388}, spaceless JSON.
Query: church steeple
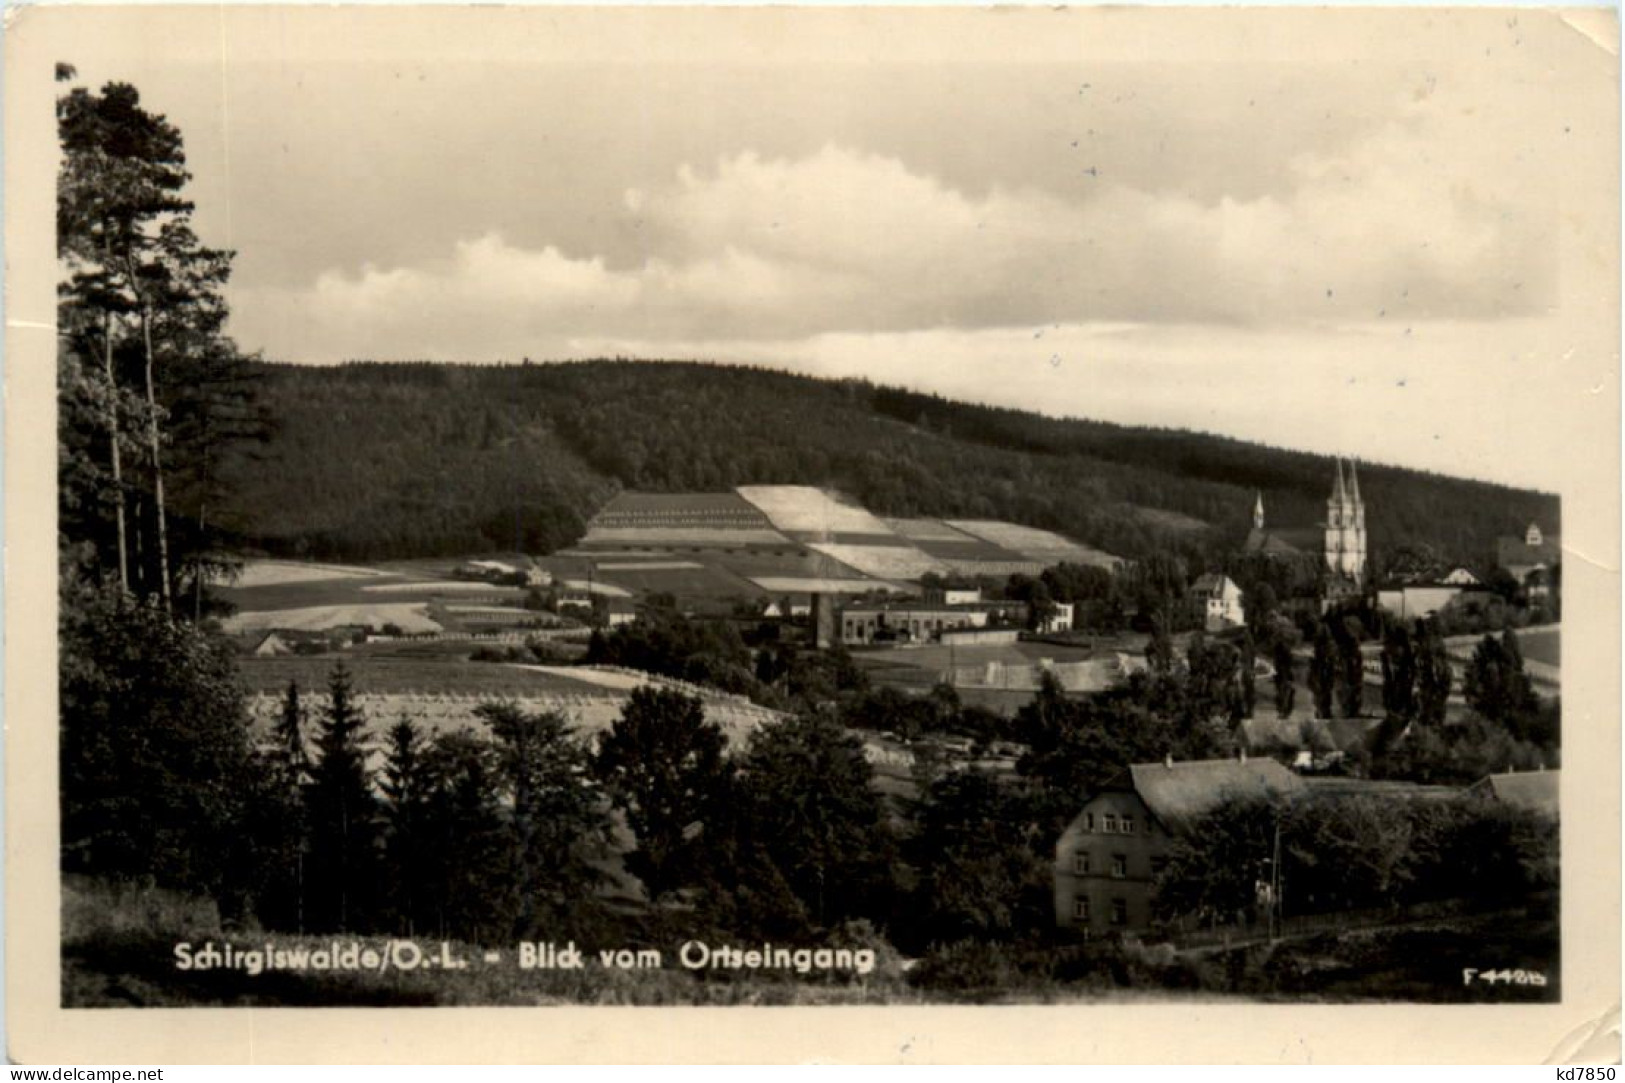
{"x":1258,"y":511}
{"x":1345,"y":526}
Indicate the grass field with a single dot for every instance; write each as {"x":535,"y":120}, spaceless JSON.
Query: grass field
{"x":268,"y":573}
{"x":1541,"y":644}
{"x":451,"y":674}
{"x":1042,"y":545}
{"x":882,"y":561}
{"x":409,"y":617}
{"x":691,"y":580}
{"x":801,"y":509}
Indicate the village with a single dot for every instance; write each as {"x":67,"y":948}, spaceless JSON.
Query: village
{"x":931,"y":610}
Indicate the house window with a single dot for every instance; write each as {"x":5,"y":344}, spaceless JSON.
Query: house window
{"x":1088,"y":821}
{"x":1158,"y":864}
{"x":1128,"y":825}
{"x":1080,"y":863}
{"x":1119,"y":911}
{"x":1111,"y":824}
{"x":1119,"y":865}
{"x":1080,"y":910}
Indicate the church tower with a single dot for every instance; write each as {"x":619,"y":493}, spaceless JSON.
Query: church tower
{"x":1345,"y":527}
{"x":1258,"y":511}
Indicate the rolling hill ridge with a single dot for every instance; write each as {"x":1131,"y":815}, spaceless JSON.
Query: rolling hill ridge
{"x":376,"y":461}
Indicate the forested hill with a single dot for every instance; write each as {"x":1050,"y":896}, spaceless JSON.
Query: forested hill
{"x":374,"y":461}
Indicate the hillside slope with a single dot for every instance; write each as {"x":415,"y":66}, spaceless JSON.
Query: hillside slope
{"x":374,"y":461}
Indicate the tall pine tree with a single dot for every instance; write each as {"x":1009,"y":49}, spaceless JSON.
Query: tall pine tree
{"x":343,"y":815}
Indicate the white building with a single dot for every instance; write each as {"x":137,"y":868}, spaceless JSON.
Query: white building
{"x":1217,"y":600}
{"x":1059,"y":620}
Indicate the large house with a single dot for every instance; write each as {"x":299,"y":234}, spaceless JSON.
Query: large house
{"x":1216,"y":601}
{"x":1108,"y":858}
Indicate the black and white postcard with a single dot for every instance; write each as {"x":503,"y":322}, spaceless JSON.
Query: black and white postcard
{"x":926,"y":533}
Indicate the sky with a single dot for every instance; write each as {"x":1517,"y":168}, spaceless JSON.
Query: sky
{"x":1392,"y":235}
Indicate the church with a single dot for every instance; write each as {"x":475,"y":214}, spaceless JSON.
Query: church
{"x":1341,"y":539}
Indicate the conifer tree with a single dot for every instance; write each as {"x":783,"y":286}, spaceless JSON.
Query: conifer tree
{"x":406,"y":784}
{"x":342,"y":815}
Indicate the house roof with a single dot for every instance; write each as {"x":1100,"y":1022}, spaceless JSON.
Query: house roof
{"x":1528,"y":789}
{"x":271,"y":642}
{"x":1292,"y":541}
{"x":1211,"y":583}
{"x":1179,"y":793}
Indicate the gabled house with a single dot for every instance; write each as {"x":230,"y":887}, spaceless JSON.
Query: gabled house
{"x":1536,"y":790}
{"x":271,"y":645}
{"x":1216,"y":601}
{"x":1108,"y":858}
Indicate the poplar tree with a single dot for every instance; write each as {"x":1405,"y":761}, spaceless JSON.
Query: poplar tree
{"x":1286,"y":684}
{"x":1323,"y":672}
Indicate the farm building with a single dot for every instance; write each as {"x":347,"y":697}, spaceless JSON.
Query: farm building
{"x":867,"y":623}
{"x":952,"y":596}
{"x":918,"y":622}
{"x":271,"y":645}
{"x":1108,"y":858}
{"x":619,"y":611}
{"x":1536,"y":790}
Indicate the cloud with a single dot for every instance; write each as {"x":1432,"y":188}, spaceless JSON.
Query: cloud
{"x":846,"y":240}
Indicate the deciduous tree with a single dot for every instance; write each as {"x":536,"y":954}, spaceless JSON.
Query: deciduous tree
{"x":663,"y":764}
